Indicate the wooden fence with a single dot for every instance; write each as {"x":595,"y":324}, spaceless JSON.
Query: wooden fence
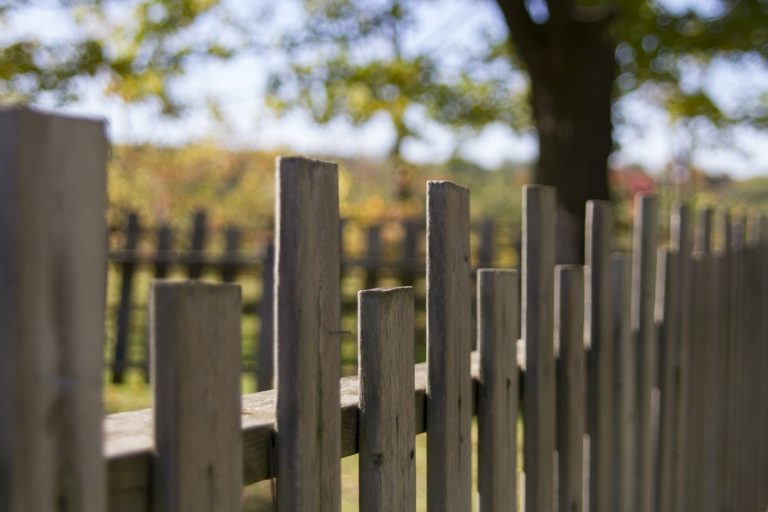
{"x":648,"y":366}
{"x":370,"y":254}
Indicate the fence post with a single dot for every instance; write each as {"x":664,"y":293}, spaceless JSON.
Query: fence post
{"x":387,"y":416}
{"x":624,"y":375}
{"x":195,"y":338}
{"x":265,"y":350}
{"x":597,"y":332}
{"x":198,"y":238}
{"x":498,"y":300}
{"x":537,"y":318}
{"x":571,"y":385}
{"x":449,"y":388}
{"x":125,"y":307}
{"x":52,"y":295}
{"x":229,"y":266}
{"x":372,"y":256}
{"x":307,"y":317}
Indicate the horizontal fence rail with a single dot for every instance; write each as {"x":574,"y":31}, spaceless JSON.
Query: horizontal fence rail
{"x":639,"y":377}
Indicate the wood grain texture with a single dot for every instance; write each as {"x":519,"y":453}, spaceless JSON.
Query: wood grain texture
{"x":498,"y":306}
{"x":571,"y":386}
{"x":625,"y":382}
{"x":598,"y":332}
{"x":307,"y":317}
{"x":643,"y":290}
{"x":385,"y":367}
{"x":537,"y":332}
{"x":195,"y":338}
{"x":52,"y":296}
{"x":449,"y":476}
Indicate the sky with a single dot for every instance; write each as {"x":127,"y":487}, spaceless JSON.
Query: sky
{"x":238,"y":85}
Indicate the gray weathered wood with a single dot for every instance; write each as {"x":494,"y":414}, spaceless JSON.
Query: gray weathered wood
{"x":449,"y":476}
{"x":385,"y":367}
{"x":498,"y":303}
{"x":598,"y":332}
{"x":307,"y":317}
{"x":643,"y":328}
{"x":670,"y":316}
{"x":52,"y":295}
{"x":625,"y":396}
{"x":195,"y":338}
{"x":680,"y":245}
{"x":537,"y":318}
{"x":571,"y":385}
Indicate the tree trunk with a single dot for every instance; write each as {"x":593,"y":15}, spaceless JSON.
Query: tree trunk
{"x":571,"y":64}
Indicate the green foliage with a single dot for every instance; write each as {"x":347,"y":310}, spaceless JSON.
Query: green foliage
{"x":353,"y":61}
{"x":138,"y":53}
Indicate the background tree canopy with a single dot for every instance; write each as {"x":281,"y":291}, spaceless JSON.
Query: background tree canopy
{"x":558,"y":68}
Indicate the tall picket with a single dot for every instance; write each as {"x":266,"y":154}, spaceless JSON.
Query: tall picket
{"x":449,"y":391}
{"x":537,"y":334}
{"x":52,"y":295}
{"x":307,"y":317}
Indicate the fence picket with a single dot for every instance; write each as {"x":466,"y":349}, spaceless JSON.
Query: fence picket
{"x":387,"y":434}
{"x":625,"y":396}
{"x":498,"y":296}
{"x":449,"y":478}
{"x":198,"y":239}
{"x":125,"y":307}
{"x":52,"y":296}
{"x":643,"y":289}
{"x":597,"y":332}
{"x":537,"y":318}
{"x":680,"y":245}
{"x":195,"y":337}
{"x":265,"y":347}
{"x":571,"y":385}
{"x":307,"y":317}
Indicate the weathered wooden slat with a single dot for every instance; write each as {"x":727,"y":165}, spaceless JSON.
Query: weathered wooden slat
{"x":265,"y":349}
{"x":643,"y":328}
{"x":195,"y":337}
{"x":625,"y":395}
{"x":449,"y":476}
{"x":387,"y":439}
{"x":537,"y":318}
{"x":125,"y":306}
{"x":680,"y":244}
{"x":598,"y":332}
{"x":498,"y":303}
{"x":307,"y":317}
{"x":129,"y":444}
{"x":668,"y":347}
{"x":571,"y":385}
{"x":52,"y":296}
